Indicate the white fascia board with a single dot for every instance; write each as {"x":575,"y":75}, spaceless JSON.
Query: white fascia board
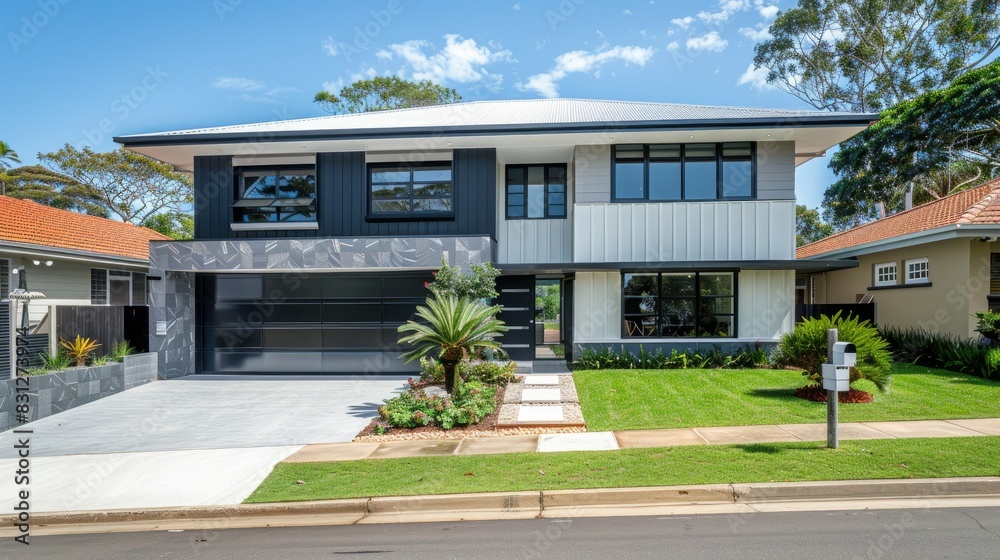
{"x":43,"y":252}
{"x":943,"y":233}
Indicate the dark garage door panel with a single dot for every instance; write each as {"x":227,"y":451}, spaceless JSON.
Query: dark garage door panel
{"x":300,"y":324}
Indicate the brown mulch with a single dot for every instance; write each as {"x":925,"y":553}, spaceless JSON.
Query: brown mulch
{"x":817,"y":393}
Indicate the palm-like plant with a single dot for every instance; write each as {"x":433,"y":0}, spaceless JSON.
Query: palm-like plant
{"x":453,"y":326}
{"x":79,"y":349}
{"x":7,"y":155}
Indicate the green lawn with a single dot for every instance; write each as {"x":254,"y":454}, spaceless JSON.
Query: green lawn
{"x":872,"y":459}
{"x":635,"y":400}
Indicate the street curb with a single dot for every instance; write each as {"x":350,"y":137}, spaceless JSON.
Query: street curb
{"x":536,"y":503}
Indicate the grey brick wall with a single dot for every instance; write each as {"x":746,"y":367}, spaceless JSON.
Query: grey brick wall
{"x":60,"y":391}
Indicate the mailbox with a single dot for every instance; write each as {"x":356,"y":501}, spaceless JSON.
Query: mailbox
{"x":836,"y":377}
{"x":845,"y":354}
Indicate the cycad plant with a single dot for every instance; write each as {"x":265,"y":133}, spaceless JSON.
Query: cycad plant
{"x":455,"y":327}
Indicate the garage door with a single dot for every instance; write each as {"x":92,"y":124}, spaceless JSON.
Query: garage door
{"x":305,"y":323}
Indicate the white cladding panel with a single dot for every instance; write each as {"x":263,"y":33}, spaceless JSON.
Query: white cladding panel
{"x":533,"y":241}
{"x":597,"y":314}
{"x":766,"y":303}
{"x":684,"y":231}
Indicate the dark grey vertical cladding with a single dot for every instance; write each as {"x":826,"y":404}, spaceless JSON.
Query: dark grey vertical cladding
{"x":342,"y":180}
{"x":4,"y":339}
{"x":213,"y":185}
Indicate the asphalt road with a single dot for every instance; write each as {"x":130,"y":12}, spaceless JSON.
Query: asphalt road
{"x":913,"y":533}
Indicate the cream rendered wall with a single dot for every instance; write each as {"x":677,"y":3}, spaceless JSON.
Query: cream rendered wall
{"x":959,"y":275}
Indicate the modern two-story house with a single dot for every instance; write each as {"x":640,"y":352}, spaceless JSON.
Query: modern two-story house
{"x":657,"y":224}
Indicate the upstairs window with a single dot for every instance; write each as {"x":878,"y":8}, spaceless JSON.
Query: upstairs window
{"x":412,"y":191}
{"x":917,"y":271}
{"x":275,"y":195}
{"x":885,"y":274}
{"x":536,"y":192}
{"x":670,"y":172}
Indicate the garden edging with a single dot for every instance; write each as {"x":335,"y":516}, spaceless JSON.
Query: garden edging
{"x":60,"y":391}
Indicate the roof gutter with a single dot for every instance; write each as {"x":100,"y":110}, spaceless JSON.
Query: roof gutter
{"x":831,"y":120}
{"x":44,"y":251}
{"x":953,"y":231}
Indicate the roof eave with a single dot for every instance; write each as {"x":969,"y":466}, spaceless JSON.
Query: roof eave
{"x":69,"y":254}
{"x":951,"y":231}
{"x":161,"y":139}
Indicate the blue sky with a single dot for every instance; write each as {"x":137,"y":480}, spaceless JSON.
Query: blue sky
{"x":87,"y":71}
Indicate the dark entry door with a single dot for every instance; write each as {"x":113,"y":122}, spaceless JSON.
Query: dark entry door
{"x":517,"y":302}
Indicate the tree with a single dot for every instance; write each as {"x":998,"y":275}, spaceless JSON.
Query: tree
{"x":175,"y":226}
{"x":478,"y":284}
{"x":455,"y":327}
{"x":385,"y":92}
{"x":808,"y":226}
{"x":940,"y":142}
{"x":7,"y":156}
{"x":44,"y":186}
{"x":866,"y":55}
{"x":129,"y":185}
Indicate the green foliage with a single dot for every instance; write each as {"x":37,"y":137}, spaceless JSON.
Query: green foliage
{"x":866,"y":55}
{"x":36,"y":371}
{"x":988,"y":325}
{"x":385,"y":92}
{"x":468,"y":404}
{"x":607,"y":358}
{"x":7,"y":155}
{"x":488,"y":372}
{"x":175,"y":225}
{"x":548,"y":299}
{"x":806,"y":348}
{"x":101,"y":361}
{"x":808,"y":226}
{"x":127,"y":185}
{"x":477,"y":284}
{"x":79,"y":349}
{"x":940,"y":142}
{"x":943,"y":351}
{"x":121,"y":349}
{"x":55,"y":362}
{"x":51,"y":188}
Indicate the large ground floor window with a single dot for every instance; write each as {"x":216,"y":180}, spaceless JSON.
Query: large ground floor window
{"x":679,"y":304}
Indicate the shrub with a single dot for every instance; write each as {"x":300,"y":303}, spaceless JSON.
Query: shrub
{"x":943,"y":351}
{"x":431,"y":370}
{"x":121,"y":349}
{"x":806,"y":347}
{"x":607,"y":358}
{"x":55,"y":362}
{"x":80,"y":349}
{"x":469,"y":403}
{"x":988,"y":325}
{"x":488,"y":373}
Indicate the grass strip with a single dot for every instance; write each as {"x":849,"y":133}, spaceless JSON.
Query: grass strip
{"x":668,"y":466}
{"x":642,"y":399}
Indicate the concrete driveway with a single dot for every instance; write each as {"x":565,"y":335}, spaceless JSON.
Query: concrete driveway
{"x":190,"y":441}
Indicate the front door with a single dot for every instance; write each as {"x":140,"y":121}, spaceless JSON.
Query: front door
{"x":517,"y":311}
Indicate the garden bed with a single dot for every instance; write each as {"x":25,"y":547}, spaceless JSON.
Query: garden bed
{"x":817,"y":393}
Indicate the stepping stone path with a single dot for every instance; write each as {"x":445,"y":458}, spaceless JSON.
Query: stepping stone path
{"x":541,"y":401}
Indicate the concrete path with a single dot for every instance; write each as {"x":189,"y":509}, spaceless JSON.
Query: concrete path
{"x":195,"y":441}
{"x":606,"y":441}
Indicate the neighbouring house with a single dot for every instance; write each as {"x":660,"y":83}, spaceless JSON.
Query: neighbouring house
{"x":614,"y":223}
{"x":931,"y":267}
{"x":73,"y":259}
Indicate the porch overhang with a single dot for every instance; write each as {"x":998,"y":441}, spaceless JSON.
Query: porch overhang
{"x":798,"y":265}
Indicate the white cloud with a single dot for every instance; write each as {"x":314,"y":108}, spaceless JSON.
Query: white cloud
{"x":330,"y":46}
{"x":364,"y":74}
{"x":757,"y":33}
{"x":673,"y":46}
{"x":244,"y":84}
{"x":516,"y":7}
{"x":384,"y":54}
{"x":766,"y":11}
{"x":334,"y":87}
{"x":547,"y":84}
{"x":727,"y":8}
{"x":683,"y":22}
{"x":461,"y":60}
{"x":627,"y":12}
{"x":710,"y":41}
{"x":755,"y":78}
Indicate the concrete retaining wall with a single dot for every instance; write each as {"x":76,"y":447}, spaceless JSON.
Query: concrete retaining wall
{"x":56,"y":392}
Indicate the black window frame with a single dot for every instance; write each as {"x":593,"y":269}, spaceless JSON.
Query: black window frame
{"x":411,"y":215}
{"x":719,"y":159}
{"x":277,"y":169}
{"x":547,"y":215}
{"x":696,"y":297}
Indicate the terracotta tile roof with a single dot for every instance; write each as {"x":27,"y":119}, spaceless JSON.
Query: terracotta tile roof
{"x":24,"y":221}
{"x":979,"y":205}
